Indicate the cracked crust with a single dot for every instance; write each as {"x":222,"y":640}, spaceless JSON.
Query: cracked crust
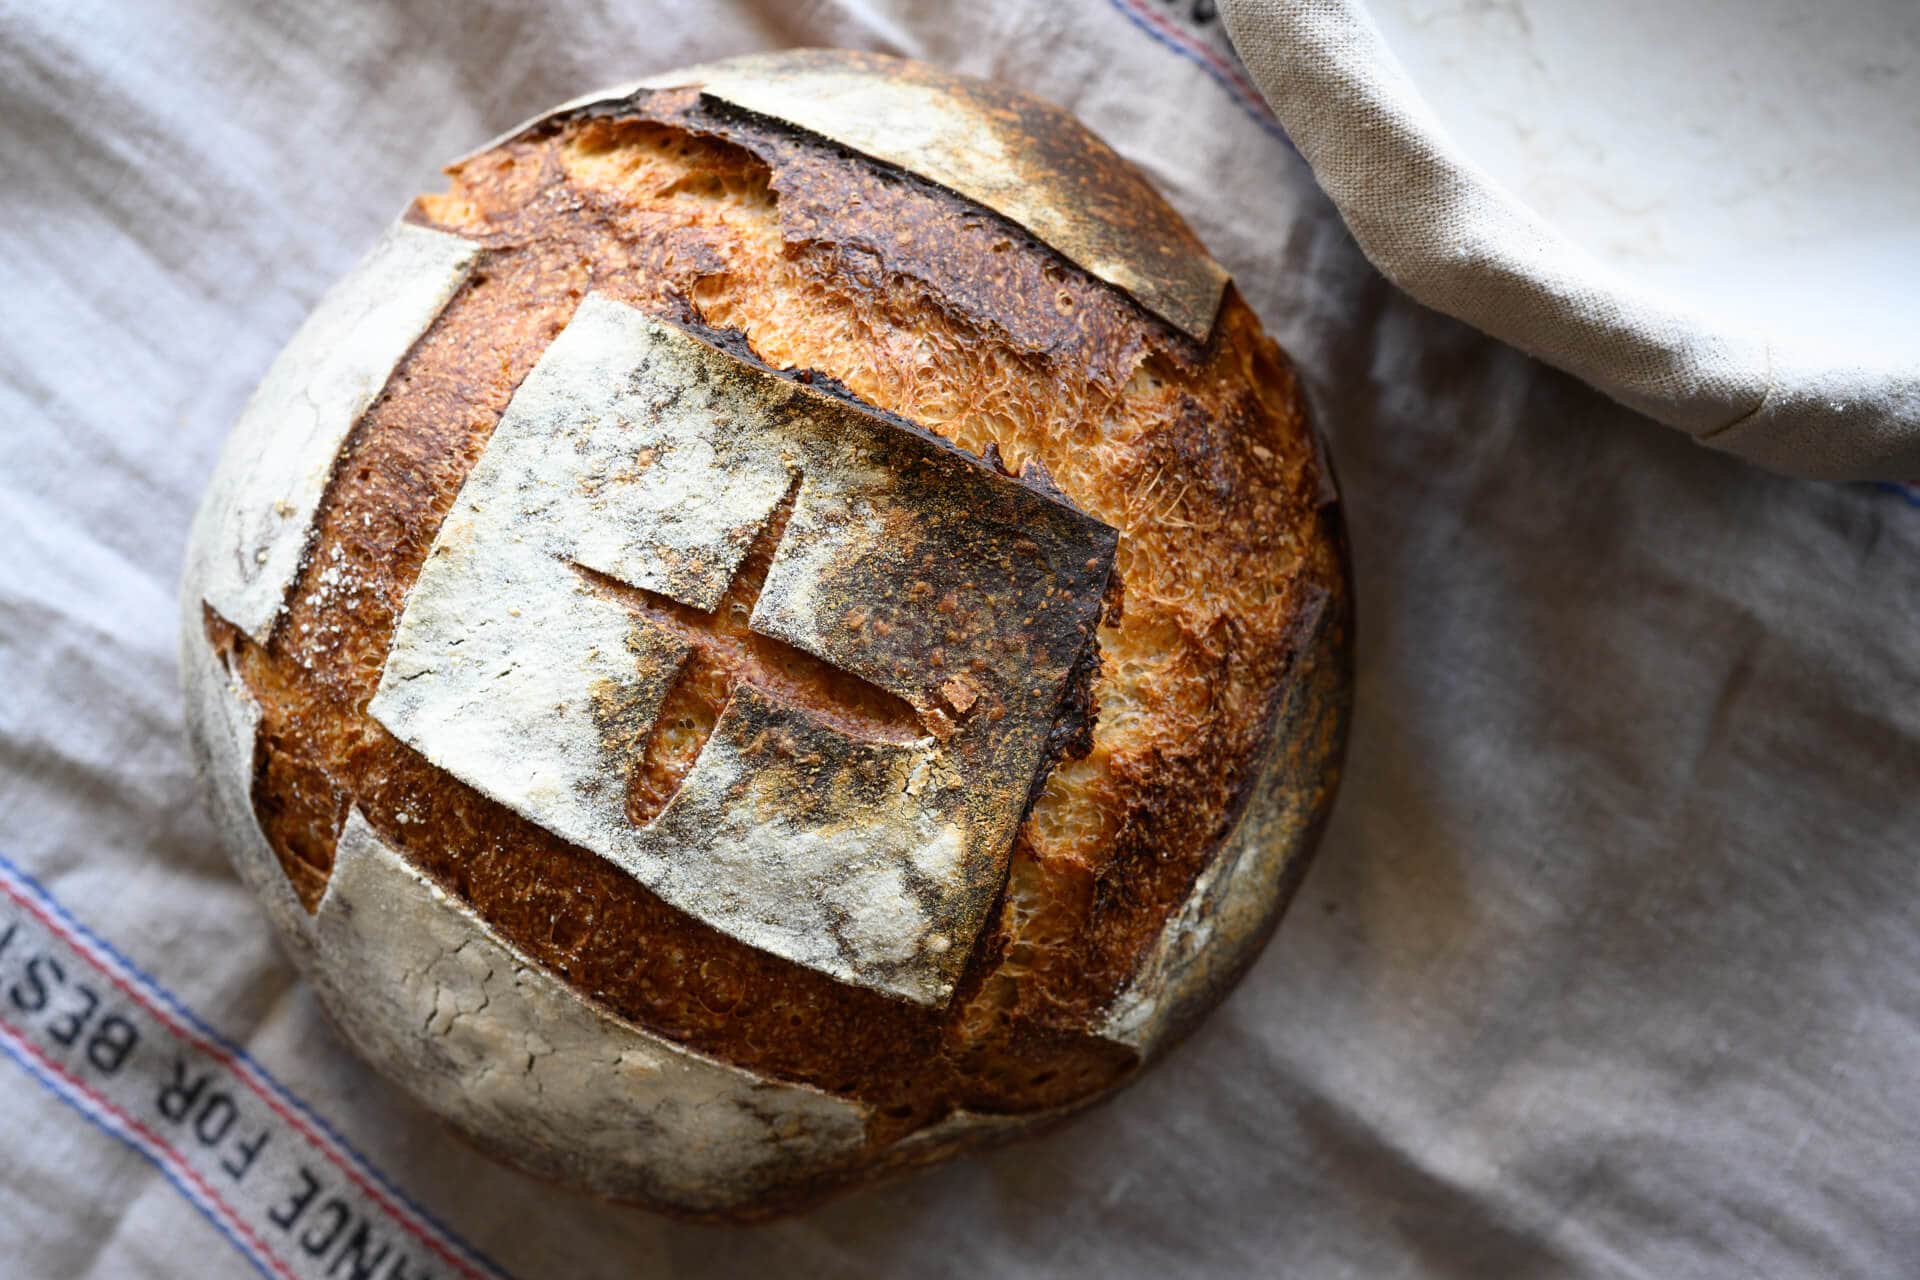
{"x":1191,"y":766}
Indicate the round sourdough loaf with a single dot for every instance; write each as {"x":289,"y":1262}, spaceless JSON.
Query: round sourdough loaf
{"x":788,"y":625}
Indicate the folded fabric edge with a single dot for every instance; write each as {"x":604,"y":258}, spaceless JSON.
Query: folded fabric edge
{"x":1445,"y":231}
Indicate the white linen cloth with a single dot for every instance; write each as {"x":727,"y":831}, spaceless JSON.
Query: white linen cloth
{"x":1709,"y":210}
{"x":1607,"y":967}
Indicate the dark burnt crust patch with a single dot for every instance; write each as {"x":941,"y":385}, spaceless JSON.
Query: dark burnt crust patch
{"x":978,"y":138}
{"x":1071,"y":737}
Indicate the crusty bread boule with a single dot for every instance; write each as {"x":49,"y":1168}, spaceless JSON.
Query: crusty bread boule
{"x":789,"y":624}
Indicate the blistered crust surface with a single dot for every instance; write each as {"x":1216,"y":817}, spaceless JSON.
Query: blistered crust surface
{"x":642,"y":453}
{"x":1237,"y":900}
{"x":275,"y":466}
{"x":1026,"y":160}
{"x":488,"y":1039}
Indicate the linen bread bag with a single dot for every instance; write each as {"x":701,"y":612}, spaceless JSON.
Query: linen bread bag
{"x":788,"y":625}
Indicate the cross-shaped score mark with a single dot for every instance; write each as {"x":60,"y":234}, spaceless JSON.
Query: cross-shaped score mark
{"x":725,"y":652}
{"x":776,"y":795}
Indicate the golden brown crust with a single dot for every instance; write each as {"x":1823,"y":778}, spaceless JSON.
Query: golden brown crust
{"x":921,"y":305}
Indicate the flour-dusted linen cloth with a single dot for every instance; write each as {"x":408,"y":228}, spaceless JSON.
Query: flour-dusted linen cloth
{"x":1608,"y":964}
{"x":1709,"y":210}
